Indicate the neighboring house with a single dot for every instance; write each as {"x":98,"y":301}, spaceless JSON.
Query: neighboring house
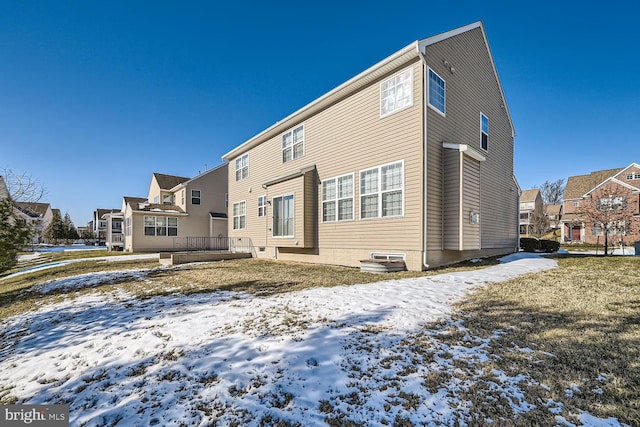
{"x":410,"y":160}
{"x":100,"y":224}
{"x":114,"y":237}
{"x":176,"y":209}
{"x":38,"y":216}
{"x":531,"y":212}
{"x":578,"y":194}
{"x":554,"y":215}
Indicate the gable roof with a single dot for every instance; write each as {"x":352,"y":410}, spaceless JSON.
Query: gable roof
{"x":529,"y":195}
{"x":33,"y":209}
{"x":578,"y":186}
{"x":615,"y":181}
{"x":167,"y":182}
{"x":553,"y":209}
{"x":401,"y":57}
{"x":141,"y":204}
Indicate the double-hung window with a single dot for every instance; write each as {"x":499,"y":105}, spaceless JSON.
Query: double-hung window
{"x":262,"y":206}
{"x":195,"y":197}
{"x":337,"y":198}
{"x":283,"y":216}
{"x":396,"y":93}
{"x":382,"y":191}
{"x":240,"y":215}
{"x":242,"y":167}
{"x":293,"y":144}
{"x":437,"y":92}
{"x":484,"y":132}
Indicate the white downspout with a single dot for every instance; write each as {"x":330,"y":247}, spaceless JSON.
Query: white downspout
{"x":424,"y":166}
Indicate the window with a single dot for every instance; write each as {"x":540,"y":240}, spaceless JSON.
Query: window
{"x":242,"y":167}
{"x":168,"y":199}
{"x":195,"y":197}
{"x":160,"y":226}
{"x":293,"y":144}
{"x":102,"y":224}
{"x":337,"y":199}
{"x":382,"y":191}
{"x":396,"y":93}
{"x":116,"y":226}
{"x":633,"y":176}
{"x":240,"y":215}
{"x":182,"y":197}
{"x":484,"y":132}
{"x":596,"y":231}
{"x":156,"y":199}
{"x":610,"y":203}
{"x":127,"y":226}
{"x":576,"y":204}
{"x":262,"y":206}
{"x":437,"y":92}
{"x":283,"y":216}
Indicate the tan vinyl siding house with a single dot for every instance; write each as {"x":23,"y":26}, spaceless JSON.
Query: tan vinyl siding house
{"x":372,"y":170}
{"x":187,"y":207}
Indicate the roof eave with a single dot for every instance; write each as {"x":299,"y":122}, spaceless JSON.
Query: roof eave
{"x":383,"y":67}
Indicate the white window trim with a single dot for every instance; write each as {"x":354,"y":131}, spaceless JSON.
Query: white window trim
{"x":262,"y":206}
{"x":380,"y":192}
{"x":338,"y":198}
{"x":239,"y":159}
{"x":433,"y":107}
{"x":482,"y":132}
{"x":293,"y":145}
{"x":198,"y":197}
{"x":233,"y":224}
{"x":388,"y":256}
{"x":155,"y":226}
{"x":282,"y":196}
{"x":409,"y":105}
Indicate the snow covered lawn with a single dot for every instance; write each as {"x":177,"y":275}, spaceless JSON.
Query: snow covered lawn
{"x":373,"y":354}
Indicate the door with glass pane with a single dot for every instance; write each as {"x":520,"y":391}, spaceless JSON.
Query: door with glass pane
{"x":283,"y":216}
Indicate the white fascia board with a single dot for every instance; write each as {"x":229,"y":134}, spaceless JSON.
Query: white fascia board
{"x":422,"y":44}
{"x":611,"y":179}
{"x":394,"y":61}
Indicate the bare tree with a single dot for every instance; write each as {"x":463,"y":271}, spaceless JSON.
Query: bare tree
{"x":23,"y":187}
{"x":552,"y":192}
{"x":609,"y":213}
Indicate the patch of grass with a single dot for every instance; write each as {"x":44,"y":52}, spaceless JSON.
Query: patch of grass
{"x":17,"y":294}
{"x":574,"y":330}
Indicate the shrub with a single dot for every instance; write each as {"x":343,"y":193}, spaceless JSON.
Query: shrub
{"x":549,"y":245}
{"x":529,"y":244}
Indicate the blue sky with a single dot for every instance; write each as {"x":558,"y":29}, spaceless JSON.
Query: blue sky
{"x":96,"y":96}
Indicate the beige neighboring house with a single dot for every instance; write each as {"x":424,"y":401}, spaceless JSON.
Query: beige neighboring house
{"x":411,"y":160}
{"x":38,"y":216}
{"x":114,"y":236}
{"x":554,"y":215}
{"x":625,"y":182}
{"x":531,"y":207}
{"x":177,"y":212}
{"x":100,"y":224}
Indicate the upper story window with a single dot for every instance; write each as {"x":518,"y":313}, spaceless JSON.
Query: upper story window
{"x":182,"y":197}
{"x":195,"y":197}
{"x":611,"y":203}
{"x":337,"y":198}
{"x":484,"y":132}
{"x":168,"y":199}
{"x":396,"y":93}
{"x":239,"y":215}
{"x":262,"y":206}
{"x":576,"y":204}
{"x":242,"y":167}
{"x":156,"y":199}
{"x":633,"y":176}
{"x":437,"y":92}
{"x":382,"y":191}
{"x":293,"y":144}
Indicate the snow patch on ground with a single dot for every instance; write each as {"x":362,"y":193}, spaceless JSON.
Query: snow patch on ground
{"x":351,"y":353}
